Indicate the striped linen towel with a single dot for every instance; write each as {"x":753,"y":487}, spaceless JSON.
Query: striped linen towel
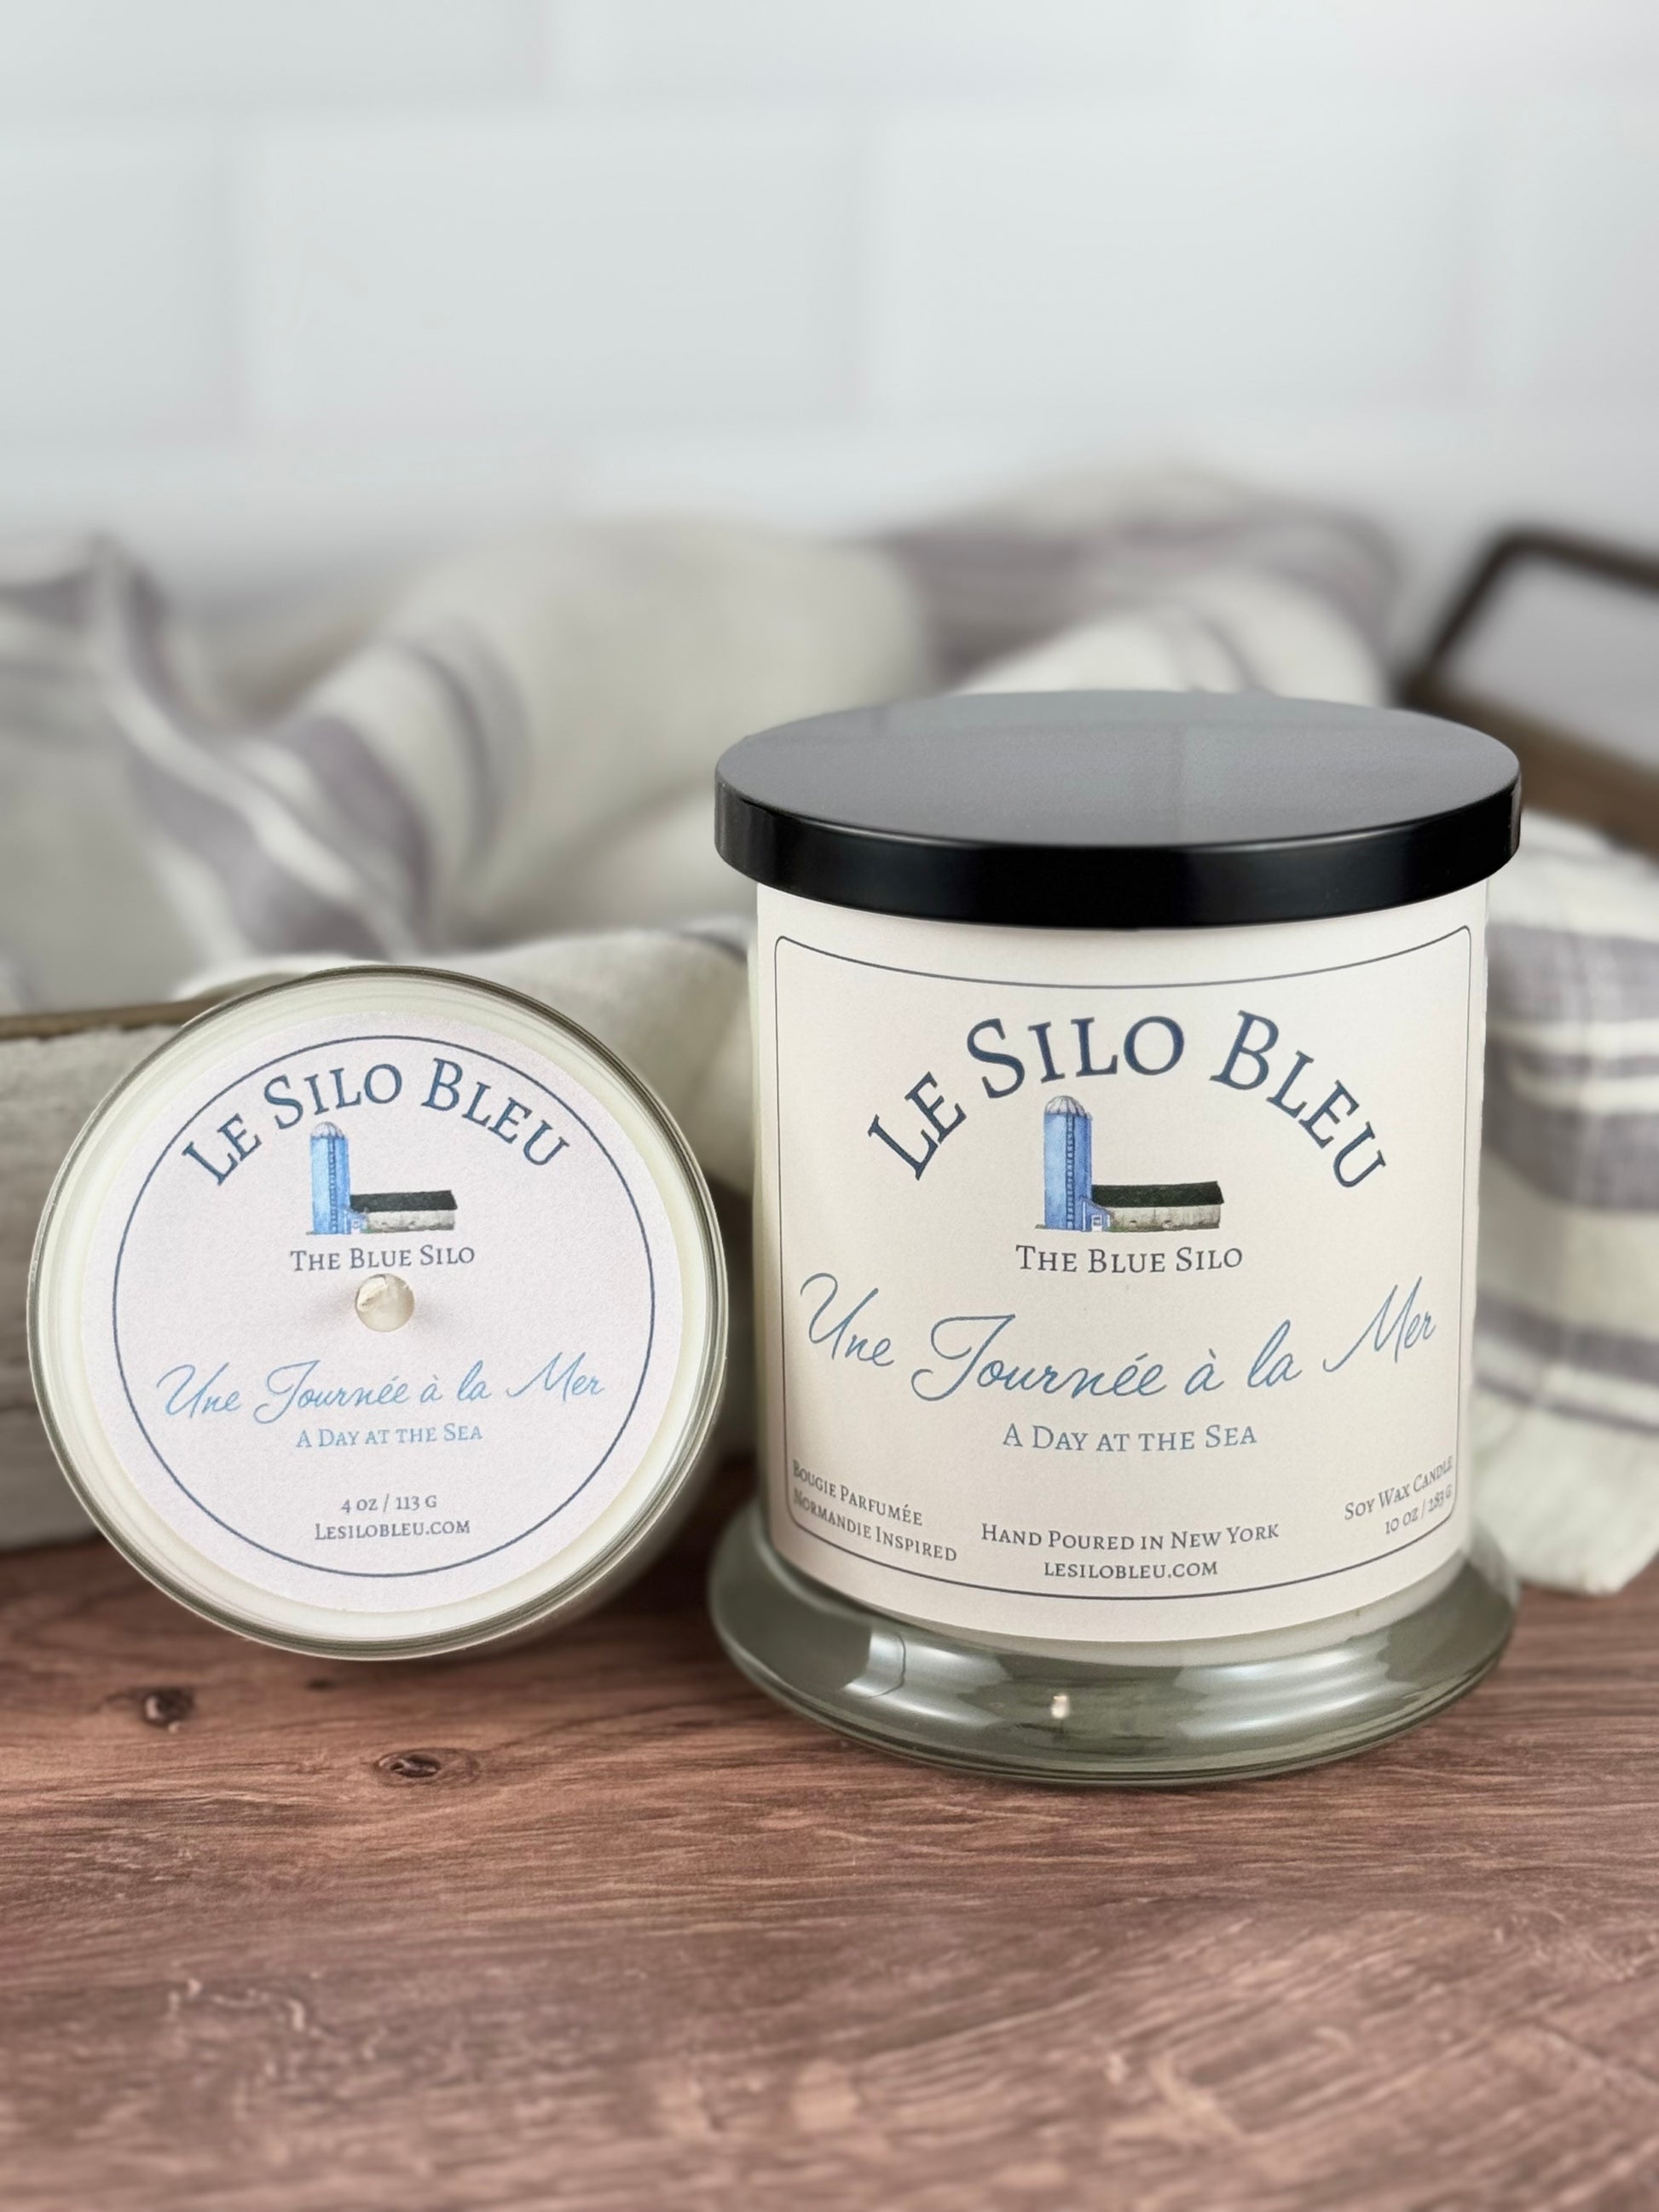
{"x":521,"y":744}
{"x":524,"y":744}
{"x":1174,"y":581}
{"x":1567,"y":1331}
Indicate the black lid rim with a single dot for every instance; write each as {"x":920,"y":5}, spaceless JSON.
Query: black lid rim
{"x":1210,"y":885}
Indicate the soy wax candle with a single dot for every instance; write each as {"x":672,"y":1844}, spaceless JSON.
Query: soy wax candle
{"x":380,"y":1313}
{"x":1118,"y":1075}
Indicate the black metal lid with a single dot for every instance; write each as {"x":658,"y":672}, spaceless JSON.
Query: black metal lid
{"x":1118,"y":810}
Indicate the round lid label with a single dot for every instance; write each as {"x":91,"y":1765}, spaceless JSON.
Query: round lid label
{"x":1120,"y":1290}
{"x":380,"y":1313}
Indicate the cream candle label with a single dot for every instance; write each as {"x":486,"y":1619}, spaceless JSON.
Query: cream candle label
{"x":1119,"y":1286}
{"x":450,"y":1432}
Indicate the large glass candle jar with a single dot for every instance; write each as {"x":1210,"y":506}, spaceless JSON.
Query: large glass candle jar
{"x":1118,"y":1074}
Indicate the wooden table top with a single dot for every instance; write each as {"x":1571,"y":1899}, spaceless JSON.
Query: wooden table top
{"x":593,"y":1924}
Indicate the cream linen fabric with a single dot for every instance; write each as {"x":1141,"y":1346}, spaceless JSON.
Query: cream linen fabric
{"x":523,"y":743}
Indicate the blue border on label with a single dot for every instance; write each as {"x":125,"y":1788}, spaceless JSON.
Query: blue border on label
{"x":448,"y":1566}
{"x":1193,"y":984}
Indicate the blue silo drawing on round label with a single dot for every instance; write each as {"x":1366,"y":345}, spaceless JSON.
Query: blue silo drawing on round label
{"x":331,"y":1182}
{"x":1068,"y":1165}
{"x":336,"y":1209}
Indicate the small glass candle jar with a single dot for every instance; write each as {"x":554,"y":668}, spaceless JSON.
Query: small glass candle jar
{"x":1118,"y":1064}
{"x":380,"y":1315}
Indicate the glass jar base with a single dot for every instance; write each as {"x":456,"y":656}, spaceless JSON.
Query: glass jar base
{"x":923,"y":1694}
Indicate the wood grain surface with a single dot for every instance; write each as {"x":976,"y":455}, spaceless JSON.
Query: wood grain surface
{"x":593,"y":1924}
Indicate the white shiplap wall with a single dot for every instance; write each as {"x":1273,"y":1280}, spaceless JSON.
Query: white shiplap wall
{"x":287,"y":282}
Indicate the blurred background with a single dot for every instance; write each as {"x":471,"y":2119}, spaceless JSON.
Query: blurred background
{"x":293,"y":285}
{"x":430,"y":429}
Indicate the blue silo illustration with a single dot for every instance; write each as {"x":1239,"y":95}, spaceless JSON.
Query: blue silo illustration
{"x":331,"y":1182}
{"x":1067,"y":1166}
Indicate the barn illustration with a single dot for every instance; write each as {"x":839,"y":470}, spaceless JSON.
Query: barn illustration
{"x":1071,"y":1199}
{"x":339,"y":1211}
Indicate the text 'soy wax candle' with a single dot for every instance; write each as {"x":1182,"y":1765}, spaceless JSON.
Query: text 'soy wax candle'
{"x":380,"y":1313}
{"x":1118,"y":1064}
